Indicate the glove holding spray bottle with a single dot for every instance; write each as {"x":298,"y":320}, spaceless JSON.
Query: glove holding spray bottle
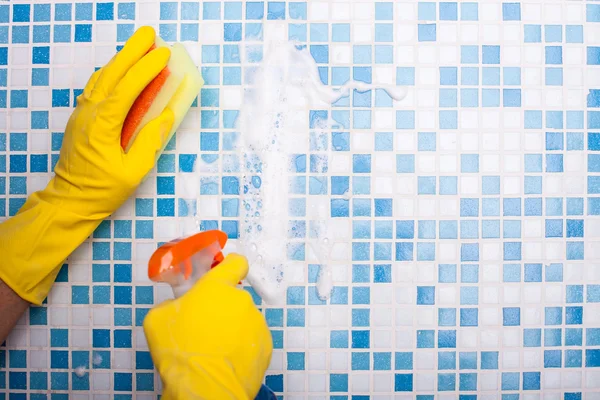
{"x":210,"y":342}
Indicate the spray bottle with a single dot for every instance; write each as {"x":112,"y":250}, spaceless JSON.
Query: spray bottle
{"x":183,"y":261}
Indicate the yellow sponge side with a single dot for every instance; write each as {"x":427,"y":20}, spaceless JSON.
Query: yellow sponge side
{"x":190,"y":86}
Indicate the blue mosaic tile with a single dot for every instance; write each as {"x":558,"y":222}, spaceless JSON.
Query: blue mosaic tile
{"x":493,"y":196}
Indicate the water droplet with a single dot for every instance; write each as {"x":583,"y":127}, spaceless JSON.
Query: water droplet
{"x":325,"y":241}
{"x":247,"y":206}
{"x":259,"y":228}
{"x":256,"y":181}
{"x":257,"y":214}
{"x":253,"y":247}
{"x":259,"y":204}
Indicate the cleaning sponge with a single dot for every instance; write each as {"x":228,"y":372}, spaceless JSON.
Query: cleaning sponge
{"x":175,"y":87}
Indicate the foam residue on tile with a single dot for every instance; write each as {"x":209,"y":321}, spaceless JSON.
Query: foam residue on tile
{"x":80,"y":371}
{"x":274,"y":126}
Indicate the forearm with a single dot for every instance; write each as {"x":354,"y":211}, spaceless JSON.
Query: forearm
{"x":33,"y":245}
{"x":35,"y":242}
{"x":11,"y":308}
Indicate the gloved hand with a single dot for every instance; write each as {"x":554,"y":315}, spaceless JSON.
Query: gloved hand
{"x":93,"y":176}
{"x":212,"y":342}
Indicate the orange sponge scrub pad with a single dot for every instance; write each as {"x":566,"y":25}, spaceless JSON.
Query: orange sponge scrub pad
{"x":175,"y":87}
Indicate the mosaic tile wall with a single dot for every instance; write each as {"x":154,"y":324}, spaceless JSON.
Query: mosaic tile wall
{"x":474,"y":268}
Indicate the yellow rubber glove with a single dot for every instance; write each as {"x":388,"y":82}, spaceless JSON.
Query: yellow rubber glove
{"x":93,"y":176}
{"x":212,"y":342}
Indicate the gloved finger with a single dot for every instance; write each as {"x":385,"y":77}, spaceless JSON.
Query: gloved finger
{"x":89,"y":86}
{"x":135,"y":48}
{"x":231,"y":270}
{"x":136,"y":79}
{"x":149,"y":142}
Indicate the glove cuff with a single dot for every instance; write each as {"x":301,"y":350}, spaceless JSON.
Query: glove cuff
{"x":36,"y":242}
{"x":199,"y":377}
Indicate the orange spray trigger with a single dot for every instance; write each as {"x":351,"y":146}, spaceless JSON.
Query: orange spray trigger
{"x":181,"y":262}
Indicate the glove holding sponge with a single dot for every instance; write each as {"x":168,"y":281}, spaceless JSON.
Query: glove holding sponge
{"x":175,"y":87}
{"x":94,"y":174}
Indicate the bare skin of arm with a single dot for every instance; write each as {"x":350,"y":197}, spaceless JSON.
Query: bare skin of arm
{"x":11,"y":308}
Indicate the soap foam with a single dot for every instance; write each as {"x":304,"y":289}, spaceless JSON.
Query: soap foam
{"x":274,"y":125}
{"x":265,"y":146}
{"x":97,"y":359}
